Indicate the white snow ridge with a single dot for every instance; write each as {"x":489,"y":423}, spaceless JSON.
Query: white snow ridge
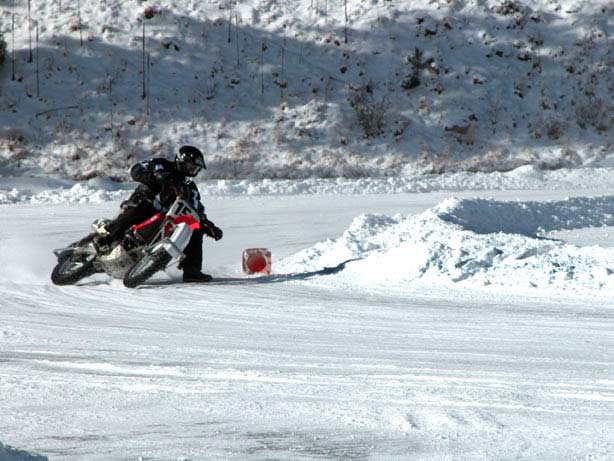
{"x":11,"y":454}
{"x":79,"y":193}
{"x":473,"y":241}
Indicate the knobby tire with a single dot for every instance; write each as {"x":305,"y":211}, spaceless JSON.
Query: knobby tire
{"x":146,"y":267}
{"x":70,"y":270}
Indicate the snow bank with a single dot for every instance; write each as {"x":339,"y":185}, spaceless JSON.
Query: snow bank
{"x":473,"y":242}
{"x":11,"y":454}
{"x":528,"y":218}
{"x":44,"y":190}
{"x":78,"y":193}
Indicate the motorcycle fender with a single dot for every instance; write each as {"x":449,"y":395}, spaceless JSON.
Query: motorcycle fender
{"x":62,"y":253}
{"x":175,"y":243}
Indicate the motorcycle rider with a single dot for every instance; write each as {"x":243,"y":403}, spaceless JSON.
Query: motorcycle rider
{"x":160,"y":179}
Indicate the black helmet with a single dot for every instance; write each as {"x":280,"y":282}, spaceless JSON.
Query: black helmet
{"x":189,"y":160}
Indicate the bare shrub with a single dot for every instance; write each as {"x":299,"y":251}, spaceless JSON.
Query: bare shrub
{"x":594,"y":112}
{"x":370,"y":111}
{"x":508,"y":7}
{"x":150,"y":11}
{"x":401,"y":125}
{"x":14,"y":135}
{"x":519,"y":12}
{"x":75,"y":24}
{"x":554,"y":129}
{"x":464,"y":134}
{"x":13,"y":146}
{"x":551,"y":127}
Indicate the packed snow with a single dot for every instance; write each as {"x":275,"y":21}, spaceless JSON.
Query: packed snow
{"x":394,"y":324}
{"x":434,"y":179}
{"x":473,"y":241}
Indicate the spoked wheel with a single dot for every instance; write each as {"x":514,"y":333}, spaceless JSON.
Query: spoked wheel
{"x":145,"y":267}
{"x":72,"y":268}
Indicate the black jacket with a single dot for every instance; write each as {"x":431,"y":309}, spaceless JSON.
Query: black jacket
{"x":161,"y":178}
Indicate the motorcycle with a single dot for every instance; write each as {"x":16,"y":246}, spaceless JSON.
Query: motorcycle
{"x":146,"y":248}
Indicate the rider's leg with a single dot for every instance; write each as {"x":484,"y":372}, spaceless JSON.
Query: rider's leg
{"x":192,"y":263}
{"x":136,"y":209}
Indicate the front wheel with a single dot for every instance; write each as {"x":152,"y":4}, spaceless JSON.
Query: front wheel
{"x":71,"y":269}
{"x":145,"y":267}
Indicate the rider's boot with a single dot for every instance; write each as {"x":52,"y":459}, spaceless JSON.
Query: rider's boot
{"x":102,"y":243}
{"x":196,"y":277}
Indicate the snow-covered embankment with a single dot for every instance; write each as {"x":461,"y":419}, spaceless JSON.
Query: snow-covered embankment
{"x":11,"y":454}
{"x":47,"y":190}
{"x":472,"y":242}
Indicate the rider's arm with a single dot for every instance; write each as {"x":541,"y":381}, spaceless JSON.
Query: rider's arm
{"x":194,"y":198}
{"x":157,"y":174}
{"x":207,"y":226}
{"x":145,"y":173}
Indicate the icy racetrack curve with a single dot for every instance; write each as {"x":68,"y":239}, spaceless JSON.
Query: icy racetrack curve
{"x":414,"y":345}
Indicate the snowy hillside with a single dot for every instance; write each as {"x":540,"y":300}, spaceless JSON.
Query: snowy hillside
{"x":303,"y":88}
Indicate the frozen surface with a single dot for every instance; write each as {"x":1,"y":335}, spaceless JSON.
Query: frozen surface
{"x":371,"y":359}
{"x":410,"y":315}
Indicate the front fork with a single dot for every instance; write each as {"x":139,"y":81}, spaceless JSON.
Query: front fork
{"x":175,"y":243}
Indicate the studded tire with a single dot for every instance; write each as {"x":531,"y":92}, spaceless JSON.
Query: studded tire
{"x":71,"y":269}
{"x":145,"y":267}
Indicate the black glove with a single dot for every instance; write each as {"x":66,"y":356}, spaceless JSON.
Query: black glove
{"x":211,"y":230}
{"x":217,"y":233}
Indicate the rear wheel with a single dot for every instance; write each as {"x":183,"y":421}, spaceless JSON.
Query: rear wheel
{"x":72,"y":268}
{"x":145,"y":267}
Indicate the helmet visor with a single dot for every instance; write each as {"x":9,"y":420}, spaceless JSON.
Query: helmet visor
{"x":190,"y":168}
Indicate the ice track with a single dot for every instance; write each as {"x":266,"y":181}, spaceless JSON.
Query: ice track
{"x":300,"y":366}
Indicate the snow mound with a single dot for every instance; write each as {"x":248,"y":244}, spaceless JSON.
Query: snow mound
{"x":11,"y":454}
{"x":472,"y":242}
{"x":79,"y":193}
{"x":528,"y":218}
